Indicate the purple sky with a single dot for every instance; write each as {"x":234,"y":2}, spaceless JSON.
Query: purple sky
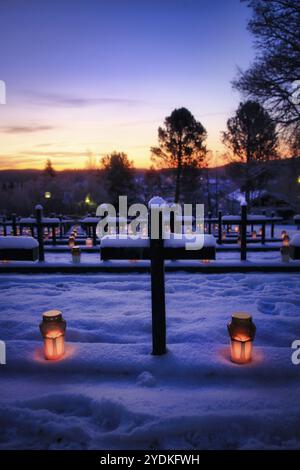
{"x":93,"y":76}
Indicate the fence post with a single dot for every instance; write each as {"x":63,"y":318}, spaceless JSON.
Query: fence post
{"x":209,"y":222}
{"x":272,"y":225}
{"x":263,"y":229}
{"x":158,"y":287}
{"x":172,"y":222}
{"x":263,"y":233}
{"x":220,"y":228}
{"x":39,"y":227}
{"x":14,"y":224}
{"x":4,"y":226}
{"x":53,"y":235}
{"x":94,"y":234}
{"x":60,"y":226}
{"x":243,"y":232}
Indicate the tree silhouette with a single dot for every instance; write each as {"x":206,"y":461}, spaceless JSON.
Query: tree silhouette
{"x":119,"y":175}
{"x":181,"y":145}
{"x":252,"y":139}
{"x":49,"y":170}
{"x":274,"y":77}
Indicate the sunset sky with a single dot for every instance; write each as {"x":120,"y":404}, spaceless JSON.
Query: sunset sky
{"x":93,"y":76}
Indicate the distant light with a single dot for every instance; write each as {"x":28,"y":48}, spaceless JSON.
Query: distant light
{"x":87,"y":200}
{"x":47,"y":195}
{"x":298,"y":179}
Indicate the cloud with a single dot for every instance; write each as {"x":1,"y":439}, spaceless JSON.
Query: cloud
{"x":68,"y":154}
{"x":24,"y":129}
{"x":68,"y":101}
{"x":37,"y":159}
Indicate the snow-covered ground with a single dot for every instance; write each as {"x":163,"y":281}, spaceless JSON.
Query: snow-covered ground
{"x":110,"y":392}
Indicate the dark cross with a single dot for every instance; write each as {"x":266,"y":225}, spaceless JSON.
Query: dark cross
{"x":157,"y":252}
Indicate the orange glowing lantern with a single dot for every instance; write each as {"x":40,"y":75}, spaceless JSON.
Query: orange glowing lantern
{"x":242,"y":332}
{"x":254,"y":235}
{"x":285,"y":249}
{"x":71,"y":242}
{"x":89,"y":243}
{"x":53,"y":329}
{"x":286,"y":240}
{"x":283,"y":234}
{"x":236,"y":229}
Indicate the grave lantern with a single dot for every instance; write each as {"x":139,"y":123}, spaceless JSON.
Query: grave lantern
{"x":242,"y":332}
{"x":236,"y":229}
{"x":71,"y":241}
{"x":254,"y":235}
{"x":286,"y":240}
{"x":283,"y":234}
{"x":285,"y":249}
{"x":53,"y":329}
{"x":89,"y":243}
{"x":76,"y":254}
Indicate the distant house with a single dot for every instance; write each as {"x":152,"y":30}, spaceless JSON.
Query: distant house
{"x":273,"y":202}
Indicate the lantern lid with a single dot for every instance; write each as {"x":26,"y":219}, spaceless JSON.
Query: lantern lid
{"x":241,"y":317}
{"x":52,"y":315}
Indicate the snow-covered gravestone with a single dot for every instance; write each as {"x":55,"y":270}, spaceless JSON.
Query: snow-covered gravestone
{"x":295,"y":247}
{"x":18,"y":248}
{"x":297,"y":220}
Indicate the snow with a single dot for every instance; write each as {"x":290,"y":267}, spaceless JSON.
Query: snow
{"x":95,"y":220}
{"x":17,"y":243}
{"x":156,"y":201}
{"x":297,"y":218}
{"x":124,"y":241}
{"x":45,"y":220}
{"x":90,"y":220}
{"x":109,"y":392}
{"x":295,"y":241}
{"x":237,"y":218}
{"x":178,"y":241}
{"x":230,"y":218}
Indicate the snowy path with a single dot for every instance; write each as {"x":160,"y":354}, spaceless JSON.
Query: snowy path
{"x":109,"y":392}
